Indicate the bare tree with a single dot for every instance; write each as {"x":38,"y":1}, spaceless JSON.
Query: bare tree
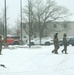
{"x":50,"y":12}
{"x":42,"y":13}
{"x":1,"y":27}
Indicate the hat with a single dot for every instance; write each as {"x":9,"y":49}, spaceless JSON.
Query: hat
{"x":56,"y":34}
{"x":65,"y":34}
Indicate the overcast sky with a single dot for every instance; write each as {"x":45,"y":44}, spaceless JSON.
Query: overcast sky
{"x":69,"y":4}
{"x":13,"y":8}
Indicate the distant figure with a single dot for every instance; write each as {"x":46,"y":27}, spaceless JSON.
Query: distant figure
{"x":56,"y":44}
{"x":65,"y":43}
{"x":0,"y":45}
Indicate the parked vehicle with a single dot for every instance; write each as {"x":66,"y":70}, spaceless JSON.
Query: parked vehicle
{"x":44,"y":41}
{"x":69,"y":39}
{"x":12,"y":40}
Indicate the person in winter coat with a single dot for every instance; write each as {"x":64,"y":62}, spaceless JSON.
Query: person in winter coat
{"x":56,"y":44}
{"x":0,"y":44}
{"x":64,"y":43}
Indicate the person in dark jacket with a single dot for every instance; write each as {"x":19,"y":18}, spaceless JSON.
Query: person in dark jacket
{"x":0,"y":44}
{"x":56,"y":45}
{"x":64,"y":43}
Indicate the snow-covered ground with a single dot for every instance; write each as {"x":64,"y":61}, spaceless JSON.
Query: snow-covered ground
{"x":37,"y":60}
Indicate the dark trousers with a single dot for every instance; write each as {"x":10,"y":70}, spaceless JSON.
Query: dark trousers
{"x":65,"y":49}
{"x":55,"y":50}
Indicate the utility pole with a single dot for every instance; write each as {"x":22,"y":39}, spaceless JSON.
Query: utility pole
{"x":29,"y":7}
{"x":5,"y":22}
{"x":21,"y":18}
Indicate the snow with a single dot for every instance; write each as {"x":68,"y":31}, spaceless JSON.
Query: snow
{"x":38,"y":60}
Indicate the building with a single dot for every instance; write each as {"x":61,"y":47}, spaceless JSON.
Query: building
{"x":52,"y":27}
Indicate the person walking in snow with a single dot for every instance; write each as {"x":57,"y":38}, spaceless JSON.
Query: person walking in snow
{"x":0,"y":44}
{"x":64,"y":43}
{"x":56,"y":44}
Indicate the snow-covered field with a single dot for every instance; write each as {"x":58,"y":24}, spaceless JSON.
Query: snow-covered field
{"x":37,"y":60}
